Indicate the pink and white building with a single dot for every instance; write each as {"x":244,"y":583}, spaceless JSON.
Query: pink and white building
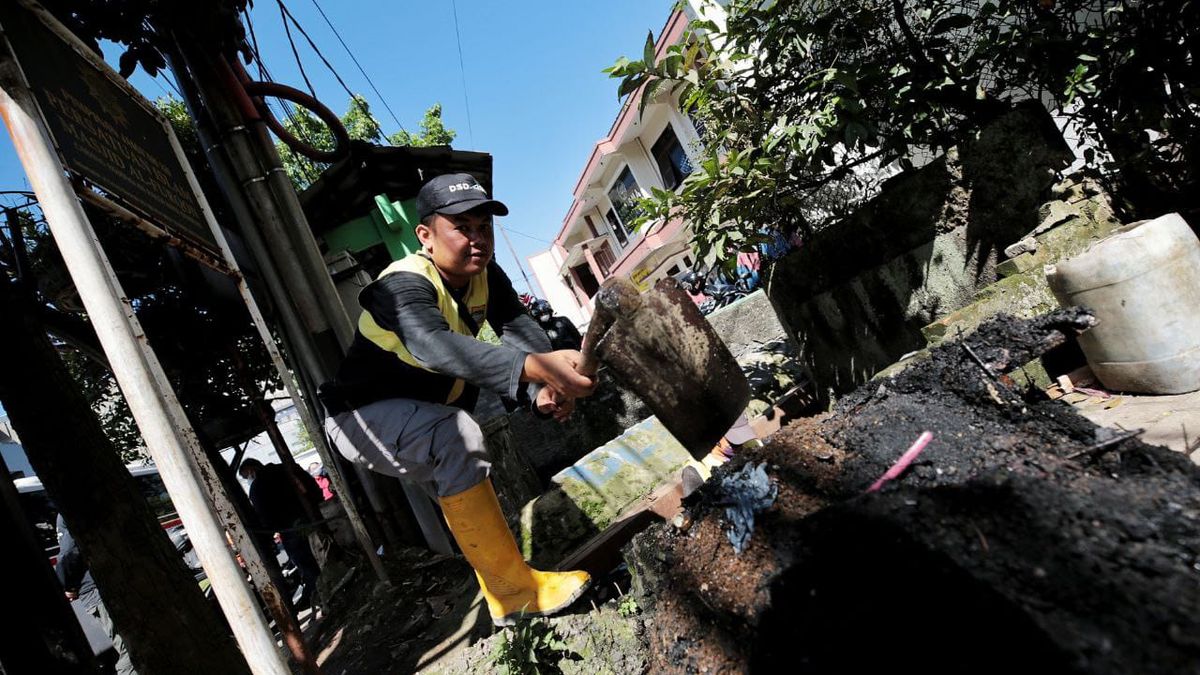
{"x":653,"y":148}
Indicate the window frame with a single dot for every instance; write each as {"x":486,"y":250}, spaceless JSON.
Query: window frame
{"x":665,"y":157}
{"x":615,"y":205}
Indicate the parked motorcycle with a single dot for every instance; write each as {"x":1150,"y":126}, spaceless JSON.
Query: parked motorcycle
{"x":716,"y":288}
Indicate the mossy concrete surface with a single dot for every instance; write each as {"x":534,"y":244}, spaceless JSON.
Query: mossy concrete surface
{"x":1080,"y":216}
{"x":588,"y":496}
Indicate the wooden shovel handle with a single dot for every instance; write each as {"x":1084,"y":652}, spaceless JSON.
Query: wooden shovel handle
{"x":617,"y":299}
{"x":599,"y":326}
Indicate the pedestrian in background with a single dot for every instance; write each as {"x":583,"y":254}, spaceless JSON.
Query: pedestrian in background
{"x":76,"y":579}
{"x":321,"y":476}
{"x":278,"y":494}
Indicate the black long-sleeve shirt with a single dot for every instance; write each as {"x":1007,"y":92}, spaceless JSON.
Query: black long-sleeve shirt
{"x":405,"y":303}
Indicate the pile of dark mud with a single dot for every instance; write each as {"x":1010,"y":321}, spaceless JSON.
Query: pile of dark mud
{"x":1023,"y":538}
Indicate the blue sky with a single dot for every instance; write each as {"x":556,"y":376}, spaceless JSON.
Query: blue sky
{"x":538,"y":101}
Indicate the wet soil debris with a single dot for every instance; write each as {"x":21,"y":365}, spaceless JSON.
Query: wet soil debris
{"x":1023,"y":537}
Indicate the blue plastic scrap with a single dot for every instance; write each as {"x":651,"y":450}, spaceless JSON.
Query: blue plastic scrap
{"x":745,"y":493}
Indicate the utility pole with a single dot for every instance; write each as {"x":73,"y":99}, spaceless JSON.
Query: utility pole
{"x":164,"y":425}
{"x":513,"y":251}
{"x":277,"y":234}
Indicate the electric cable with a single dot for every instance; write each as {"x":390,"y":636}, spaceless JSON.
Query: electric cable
{"x":359,"y":65}
{"x":283,"y":15}
{"x":174,"y":86}
{"x":166,"y":93}
{"x":262,"y":68}
{"x":528,"y":236}
{"x":337,"y":76}
{"x":513,"y":251}
{"x":462,"y":71}
{"x":307,"y":166}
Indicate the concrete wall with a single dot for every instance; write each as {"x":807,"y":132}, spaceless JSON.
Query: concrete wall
{"x":856,"y":296}
{"x":545,"y":266}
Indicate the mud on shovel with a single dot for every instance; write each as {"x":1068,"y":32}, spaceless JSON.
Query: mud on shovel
{"x":660,"y":346}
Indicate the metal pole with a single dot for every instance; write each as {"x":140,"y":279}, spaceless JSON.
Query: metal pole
{"x":316,"y":430}
{"x":250,"y":178}
{"x":296,"y":225}
{"x":164,"y":426}
{"x":513,"y":251}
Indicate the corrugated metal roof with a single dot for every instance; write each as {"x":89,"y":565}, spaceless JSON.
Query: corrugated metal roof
{"x":347,"y":189}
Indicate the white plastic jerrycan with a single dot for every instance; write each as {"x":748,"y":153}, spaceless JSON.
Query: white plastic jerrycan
{"x":1143,"y":284}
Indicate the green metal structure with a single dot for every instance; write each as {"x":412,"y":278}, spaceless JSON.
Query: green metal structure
{"x":391,"y":223}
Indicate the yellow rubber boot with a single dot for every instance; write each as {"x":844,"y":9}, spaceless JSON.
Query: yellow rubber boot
{"x":512,"y":588}
{"x":721,"y":453}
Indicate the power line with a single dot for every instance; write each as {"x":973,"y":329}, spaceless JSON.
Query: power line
{"x":283,"y":15}
{"x":359,"y":65}
{"x":262,"y":68}
{"x":462,"y":71}
{"x":288,"y":15}
{"x":174,"y":85}
{"x":513,"y":251}
{"x":161,"y":87}
{"x":529,"y":236}
{"x":162,"y":71}
{"x":307,"y":165}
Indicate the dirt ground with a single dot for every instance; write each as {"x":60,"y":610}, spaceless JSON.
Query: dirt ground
{"x":1024,"y":537}
{"x":431,"y":620}
{"x":367,"y":627}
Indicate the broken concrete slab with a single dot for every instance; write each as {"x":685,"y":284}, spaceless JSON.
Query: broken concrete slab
{"x":588,"y":496}
{"x":1024,"y":292}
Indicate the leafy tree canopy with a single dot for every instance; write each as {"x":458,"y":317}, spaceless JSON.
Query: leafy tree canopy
{"x":800,"y":97}
{"x":361,"y":125}
{"x":199,"y":330}
{"x":432,"y":131}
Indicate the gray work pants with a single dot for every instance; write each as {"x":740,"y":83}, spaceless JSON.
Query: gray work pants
{"x":439,"y":447}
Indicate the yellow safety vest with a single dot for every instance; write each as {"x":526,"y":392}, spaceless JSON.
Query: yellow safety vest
{"x":476,"y":299}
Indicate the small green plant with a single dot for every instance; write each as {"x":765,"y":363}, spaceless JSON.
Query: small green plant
{"x":532,"y":647}
{"x":628,"y":606}
{"x":305,"y":441}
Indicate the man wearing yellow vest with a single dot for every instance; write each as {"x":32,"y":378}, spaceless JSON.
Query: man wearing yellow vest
{"x":400,"y":402}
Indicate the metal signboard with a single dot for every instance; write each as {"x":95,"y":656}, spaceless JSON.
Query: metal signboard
{"x":104,"y":131}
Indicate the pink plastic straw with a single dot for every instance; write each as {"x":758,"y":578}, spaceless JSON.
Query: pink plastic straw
{"x":901,"y":464}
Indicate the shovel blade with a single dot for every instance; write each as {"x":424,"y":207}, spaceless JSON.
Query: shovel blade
{"x":668,"y":354}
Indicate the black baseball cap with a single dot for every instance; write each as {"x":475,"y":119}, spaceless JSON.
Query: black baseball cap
{"x":455,"y":193}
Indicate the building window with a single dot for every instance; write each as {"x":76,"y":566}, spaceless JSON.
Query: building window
{"x":673,"y":163}
{"x":605,"y":259}
{"x":624,"y":195}
{"x":615,"y":225}
{"x":591,"y":226}
{"x":587,"y":280}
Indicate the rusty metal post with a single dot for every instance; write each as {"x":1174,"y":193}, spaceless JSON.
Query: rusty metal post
{"x":165,"y":428}
{"x":244,"y":188}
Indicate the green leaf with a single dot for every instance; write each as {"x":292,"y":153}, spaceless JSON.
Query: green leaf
{"x":952,"y":22}
{"x":629,"y":85}
{"x":648,"y":50}
{"x":616,"y":69}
